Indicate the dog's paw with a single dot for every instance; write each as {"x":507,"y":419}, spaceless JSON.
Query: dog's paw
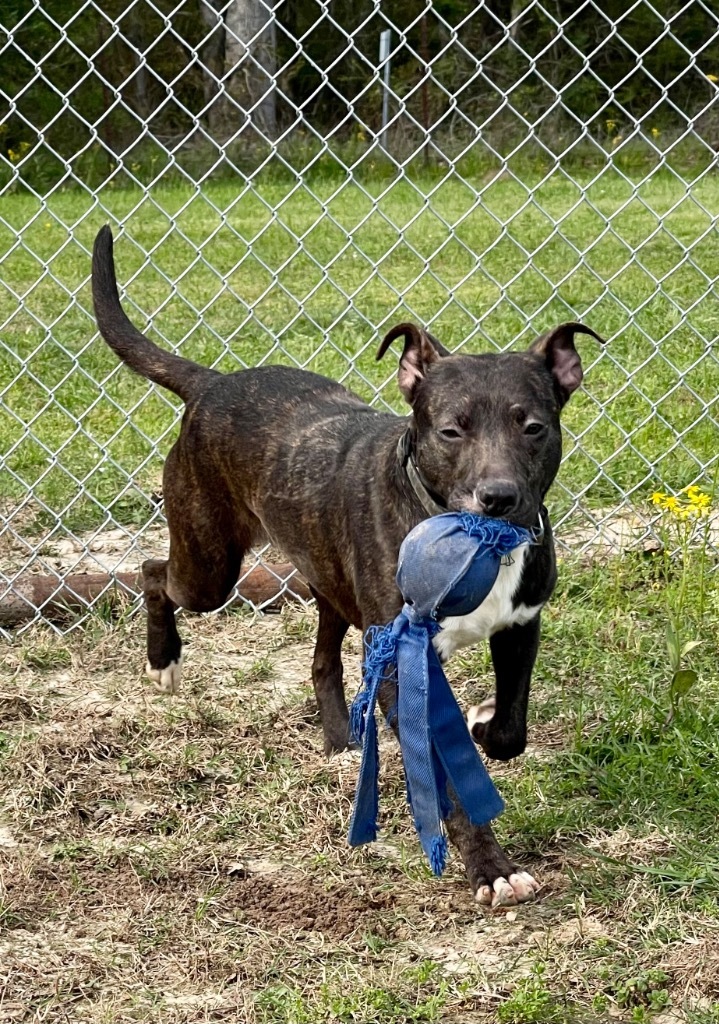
{"x":166,"y":680}
{"x":480,"y":714}
{"x":508,"y":892}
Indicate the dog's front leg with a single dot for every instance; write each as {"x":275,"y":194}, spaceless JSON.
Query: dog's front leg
{"x":495,"y":880}
{"x":499,"y":724}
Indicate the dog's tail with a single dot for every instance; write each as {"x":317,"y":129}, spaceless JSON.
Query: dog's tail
{"x":173,"y":372}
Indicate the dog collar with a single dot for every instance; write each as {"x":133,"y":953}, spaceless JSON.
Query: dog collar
{"x":431,"y":506}
{"x":404,"y":457}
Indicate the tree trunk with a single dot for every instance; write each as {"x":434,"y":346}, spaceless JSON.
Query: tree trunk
{"x":250,"y":66}
{"x":212,"y":57}
{"x":60,"y":599}
{"x":138,"y":99}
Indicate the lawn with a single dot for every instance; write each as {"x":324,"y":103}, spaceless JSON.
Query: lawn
{"x":184,"y":859}
{"x":314,"y":272}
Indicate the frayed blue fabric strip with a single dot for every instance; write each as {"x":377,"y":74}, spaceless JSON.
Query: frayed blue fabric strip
{"x":448,"y":562}
{"x":358,"y":714}
{"x":438,"y":855}
{"x":494,"y":534}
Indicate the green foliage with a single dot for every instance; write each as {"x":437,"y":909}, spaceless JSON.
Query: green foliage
{"x":683,"y":528}
{"x":168,"y":80}
{"x":532,"y":1002}
{"x":48,"y":656}
{"x":648,"y":989}
{"x":282,"y":1004}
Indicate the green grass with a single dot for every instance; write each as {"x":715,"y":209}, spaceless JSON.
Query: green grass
{"x":231,"y":285}
{"x":625,"y":767}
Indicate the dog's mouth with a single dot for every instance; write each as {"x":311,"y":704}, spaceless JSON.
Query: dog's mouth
{"x":532,"y":519}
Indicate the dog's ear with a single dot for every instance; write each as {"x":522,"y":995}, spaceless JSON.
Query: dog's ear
{"x":420,"y":351}
{"x":556,"y":348}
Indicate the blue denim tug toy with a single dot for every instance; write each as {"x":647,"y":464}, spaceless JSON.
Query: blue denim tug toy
{"x":447,"y":566}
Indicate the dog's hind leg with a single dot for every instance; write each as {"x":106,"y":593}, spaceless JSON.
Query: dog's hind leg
{"x":201,"y":586}
{"x":164,"y":647}
{"x":327,"y":676}
{"x":207,"y":543}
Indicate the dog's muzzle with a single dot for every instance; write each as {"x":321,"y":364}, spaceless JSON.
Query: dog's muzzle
{"x":428,"y":499}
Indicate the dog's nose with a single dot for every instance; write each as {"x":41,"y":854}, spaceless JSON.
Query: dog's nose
{"x":498,"y":497}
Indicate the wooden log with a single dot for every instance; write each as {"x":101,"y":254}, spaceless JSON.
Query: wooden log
{"x":61,"y":598}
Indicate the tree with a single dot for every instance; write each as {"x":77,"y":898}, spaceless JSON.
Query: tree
{"x":250,"y":66}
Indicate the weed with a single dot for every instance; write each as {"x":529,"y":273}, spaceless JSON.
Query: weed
{"x":280,"y":1004}
{"x":47,"y":656}
{"x":684,"y":531}
{"x":259,"y":671}
{"x":647,"y":990}
{"x":297,"y":626}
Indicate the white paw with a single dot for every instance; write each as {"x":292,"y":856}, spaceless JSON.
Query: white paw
{"x":481,"y":713}
{"x":519,"y":888}
{"x":166,"y":680}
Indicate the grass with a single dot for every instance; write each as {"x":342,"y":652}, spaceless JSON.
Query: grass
{"x":314,"y":272}
{"x":184,"y":859}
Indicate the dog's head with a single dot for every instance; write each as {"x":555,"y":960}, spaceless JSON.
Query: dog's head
{"x":485,"y":429}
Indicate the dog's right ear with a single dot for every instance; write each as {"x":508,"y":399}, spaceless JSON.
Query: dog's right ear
{"x":420,"y":351}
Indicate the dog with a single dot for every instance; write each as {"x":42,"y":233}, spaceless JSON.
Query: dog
{"x":287,"y":454}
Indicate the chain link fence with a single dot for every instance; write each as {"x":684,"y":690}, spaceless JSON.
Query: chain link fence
{"x":287,"y":180}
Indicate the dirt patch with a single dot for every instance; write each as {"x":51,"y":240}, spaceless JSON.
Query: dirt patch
{"x":694,"y":967}
{"x":115,"y":550}
{"x":612,"y":531}
{"x":15,"y":708}
{"x":301,"y":905}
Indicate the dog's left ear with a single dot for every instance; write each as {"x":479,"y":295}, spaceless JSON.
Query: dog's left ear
{"x":557,"y":349}
{"x":420,"y":351}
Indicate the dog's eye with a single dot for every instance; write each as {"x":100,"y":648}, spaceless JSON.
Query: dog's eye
{"x":449,"y":433}
{"x":534,"y":429}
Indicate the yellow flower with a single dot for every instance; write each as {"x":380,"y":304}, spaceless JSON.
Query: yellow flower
{"x":696,"y":497}
{"x":15,"y":155}
{"x":690,"y":503}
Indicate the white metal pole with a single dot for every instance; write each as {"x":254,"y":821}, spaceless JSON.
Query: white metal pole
{"x":385,"y":41}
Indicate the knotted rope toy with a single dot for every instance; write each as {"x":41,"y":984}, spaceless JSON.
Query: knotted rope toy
{"x":447,"y":566}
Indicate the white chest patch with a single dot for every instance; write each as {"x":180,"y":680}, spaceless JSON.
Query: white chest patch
{"x":494,"y":613}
